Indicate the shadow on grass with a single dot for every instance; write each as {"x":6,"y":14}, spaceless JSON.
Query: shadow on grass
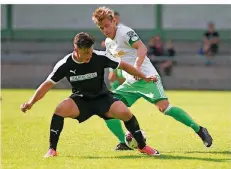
{"x":200,"y":152}
{"x":209,"y":152}
{"x":161,"y":157}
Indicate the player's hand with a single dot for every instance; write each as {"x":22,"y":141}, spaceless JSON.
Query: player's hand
{"x":138,"y":68}
{"x":26,"y":106}
{"x":151,"y":79}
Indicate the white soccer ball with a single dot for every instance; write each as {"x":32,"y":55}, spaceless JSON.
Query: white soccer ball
{"x":130,"y":140}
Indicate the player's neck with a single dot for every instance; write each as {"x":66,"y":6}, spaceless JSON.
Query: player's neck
{"x":114,"y":34}
{"x":76,"y":58}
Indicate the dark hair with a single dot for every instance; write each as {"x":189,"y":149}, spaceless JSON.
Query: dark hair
{"x":83,"y":40}
{"x":116,"y":13}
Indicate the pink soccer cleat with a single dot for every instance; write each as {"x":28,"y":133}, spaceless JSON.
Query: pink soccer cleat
{"x":149,"y":151}
{"x":51,"y":153}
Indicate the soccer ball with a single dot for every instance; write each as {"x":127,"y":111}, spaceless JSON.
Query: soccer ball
{"x":130,"y":140}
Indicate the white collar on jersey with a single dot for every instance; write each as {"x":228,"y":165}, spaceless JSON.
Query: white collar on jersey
{"x":75,"y":60}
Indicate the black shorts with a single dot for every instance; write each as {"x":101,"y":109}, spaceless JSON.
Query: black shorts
{"x":90,"y":107}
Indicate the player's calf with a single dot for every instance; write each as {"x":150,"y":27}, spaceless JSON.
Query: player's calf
{"x":178,"y":114}
{"x":132,"y":126}
{"x":66,"y":108}
{"x":181,"y":116}
{"x":56,"y":128}
{"x":119,"y":110}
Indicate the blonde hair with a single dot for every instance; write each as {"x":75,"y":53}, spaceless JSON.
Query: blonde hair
{"x":102,"y":13}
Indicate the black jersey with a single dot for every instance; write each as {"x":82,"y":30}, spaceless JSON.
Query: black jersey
{"x":86,"y":79}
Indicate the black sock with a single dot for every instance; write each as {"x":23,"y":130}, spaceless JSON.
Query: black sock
{"x":133,"y":127}
{"x":55,"y":130}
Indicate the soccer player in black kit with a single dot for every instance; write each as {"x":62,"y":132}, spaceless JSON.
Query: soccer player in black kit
{"x":84,"y":69}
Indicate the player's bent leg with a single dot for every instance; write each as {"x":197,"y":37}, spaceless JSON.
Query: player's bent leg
{"x":119,"y":110}
{"x":178,"y":114}
{"x":154,"y":93}
{"x":124,"y":94}
{"x":116,"y":128}
{"x":67,"y":108}
{"x":181,"y":116}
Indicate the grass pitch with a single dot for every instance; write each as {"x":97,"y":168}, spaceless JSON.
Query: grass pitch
{"x":90,"y":145}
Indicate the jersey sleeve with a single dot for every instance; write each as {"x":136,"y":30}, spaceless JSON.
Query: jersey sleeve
{"x":112,"y":62}
{"x":130,"y":36}
{"x":108,"y":60}
{"x":58,"y":72}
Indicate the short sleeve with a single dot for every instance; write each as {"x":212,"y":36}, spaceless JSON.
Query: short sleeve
{"x":130,"y":36}
{"x":58,"y":73}
{"x":112,"y":62}
{"x":108,"y":60}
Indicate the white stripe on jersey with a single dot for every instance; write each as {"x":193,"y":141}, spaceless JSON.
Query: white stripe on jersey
{"x":58,"y":64}
{"x":108,"y":55}
{"x":52,"y":81}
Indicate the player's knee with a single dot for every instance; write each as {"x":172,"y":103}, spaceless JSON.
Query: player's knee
{"x":162,"y":105}
{"x":59,"y":111}
{"x":127,"y":116}
{"x":124,"y":115}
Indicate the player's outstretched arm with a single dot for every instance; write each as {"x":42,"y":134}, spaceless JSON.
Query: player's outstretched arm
{"x":135,"y":72}
{"x":39,"y":94}
{"x":141,"y":52}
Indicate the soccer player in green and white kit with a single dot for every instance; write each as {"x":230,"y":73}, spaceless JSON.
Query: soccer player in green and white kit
{"x":115,"y":76}
{"x":123,"y":42}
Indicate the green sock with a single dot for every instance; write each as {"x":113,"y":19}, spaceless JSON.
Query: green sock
{"x":181,"y":116}
{"x":116,"y":128}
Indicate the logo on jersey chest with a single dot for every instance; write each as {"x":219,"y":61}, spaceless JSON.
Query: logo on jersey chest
{"x":119,"y":54}
{"x":114,"y":49}
{"x":83,"y":77}
{"x":73,"y":71}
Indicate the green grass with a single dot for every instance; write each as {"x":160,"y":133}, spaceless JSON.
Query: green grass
{"x":90,"y":144}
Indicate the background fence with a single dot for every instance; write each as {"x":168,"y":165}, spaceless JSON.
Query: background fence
{"x":35,"y":37}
